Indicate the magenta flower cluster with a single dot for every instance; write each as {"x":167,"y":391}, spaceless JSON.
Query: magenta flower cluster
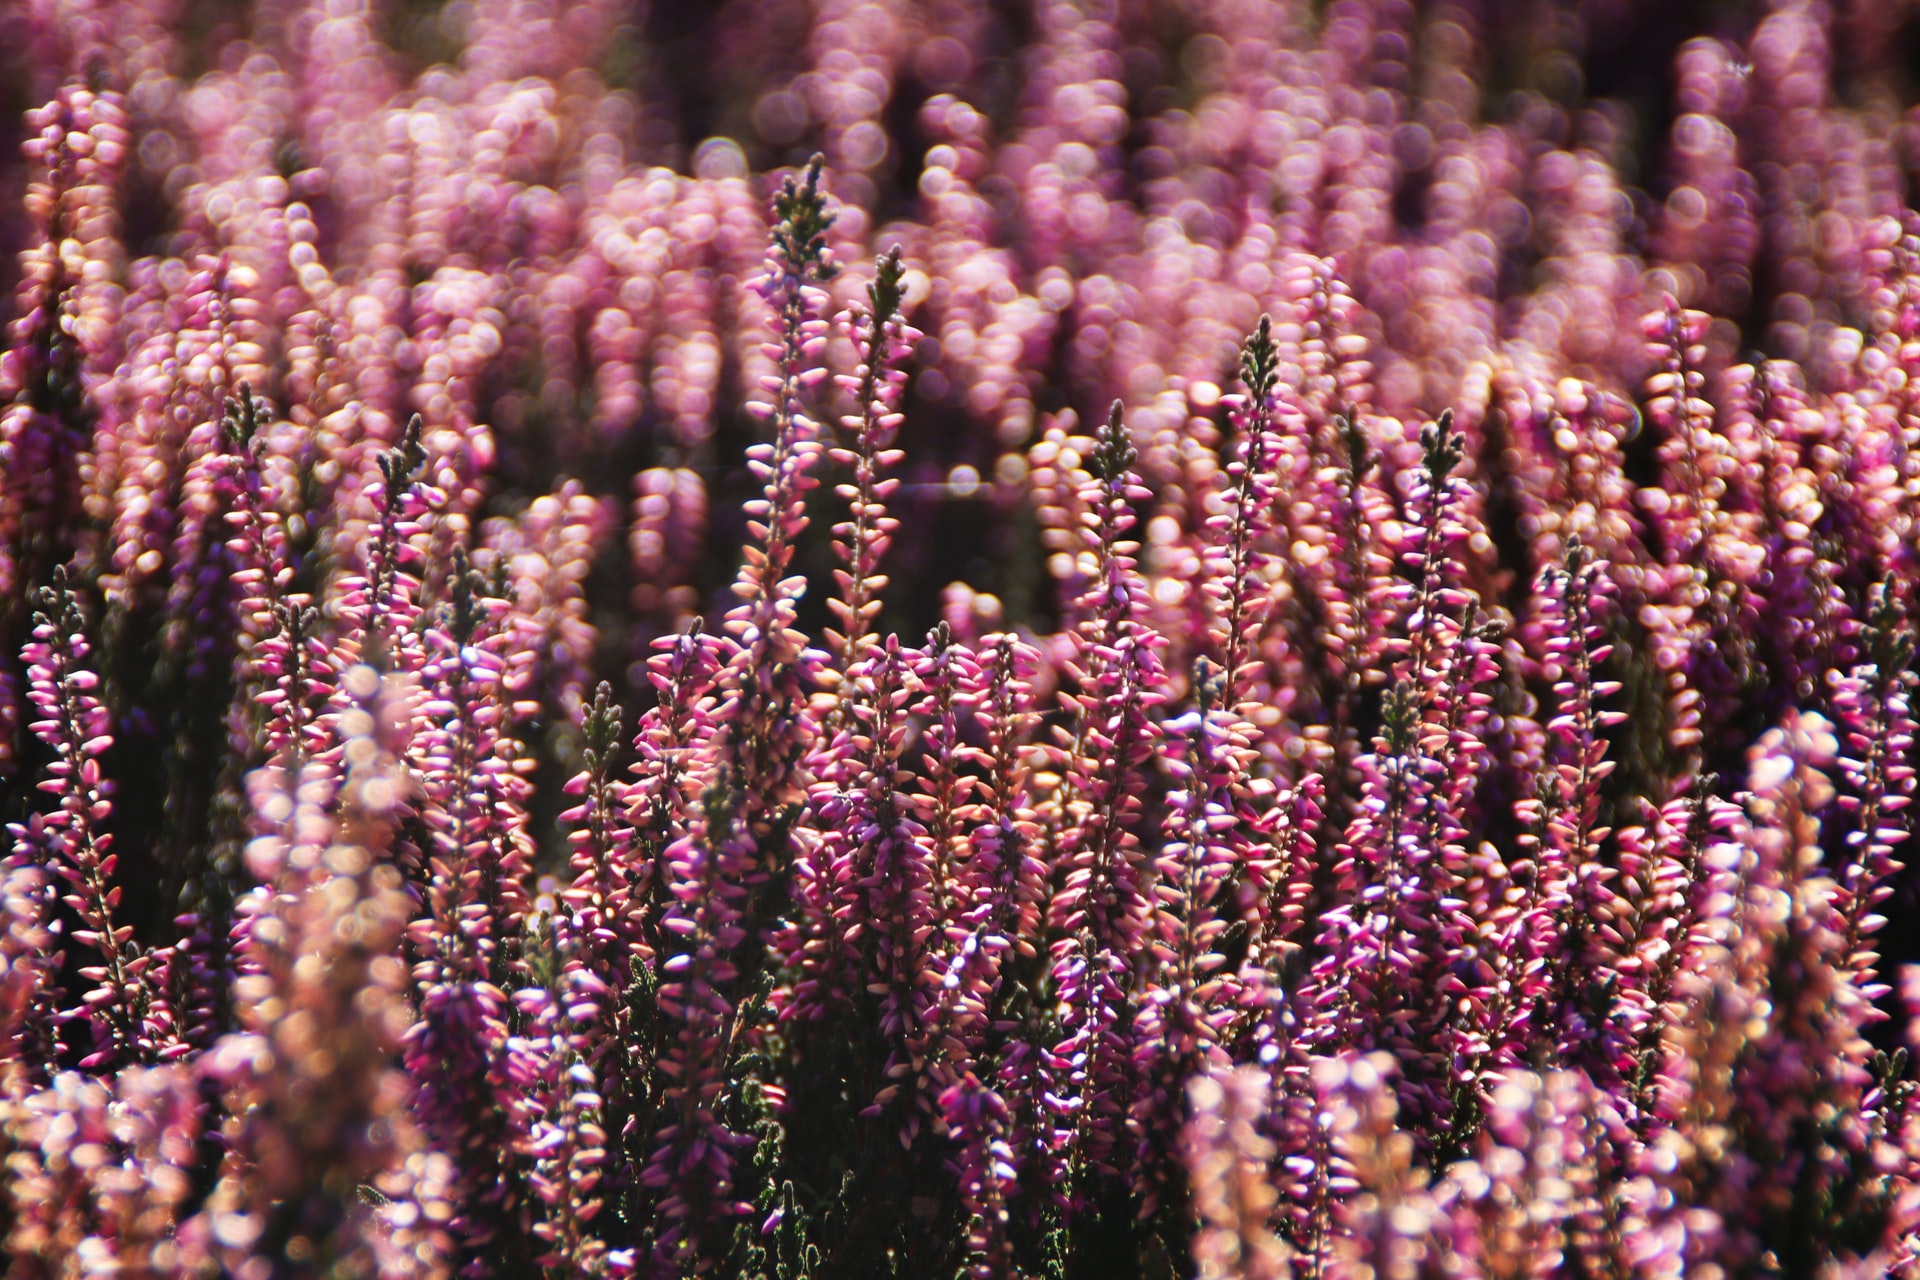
{"x":914,"y":638}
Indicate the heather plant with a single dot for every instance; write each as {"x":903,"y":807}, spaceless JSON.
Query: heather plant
{"x":857,"y":639}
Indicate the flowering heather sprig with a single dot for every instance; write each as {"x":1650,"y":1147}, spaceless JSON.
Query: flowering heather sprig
{"x":760,"y":714}
{"x":710,"y":858}
{"x":1683,"y":523}
{"x":1872,"y":709}
{"x":867,"y":911}
{"x":256,"y":545}
{"x":294,"y":671}
{"x":692,"y":1164}
{"x":1101,"y":910}
{"x":976,"y":1118}
{"x":381,"y":603}
{"x":468,"y":800}
{"x":1190,"y":995}
{"x":205,"y":596}
{"x":1403,"y":861}
{"x":889,"y":880}
{"x":1676,"y":406}
{"x":613,"y":903}
{"x":1802,"y":611}
{"x":668,"y":750}
{"x":1236,"y":578}
{"x":946,"y":673}
{"x":601,"y":843}
{"x":1667,"y":866}
{"x":725,"y":874}
{"x":1326,"y":482}
{"x":1003,"y":879}
{"x":1277,"y":881}
{"x":1322,"y":469}
{"x":1276,"y":1020}
{"x":639,"y":878}
{"x":244,"y":642}
{"x":1005,"y":883}
{"x":125,"y":1011}
{"x":558,"y":1106}
{"x":885,"y":342}
{"x":1576,"y":907}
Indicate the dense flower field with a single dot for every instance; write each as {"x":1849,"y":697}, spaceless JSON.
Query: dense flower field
{"x":1230,"y":639}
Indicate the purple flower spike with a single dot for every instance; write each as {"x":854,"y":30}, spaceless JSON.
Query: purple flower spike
{"x":125,"y":1010}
